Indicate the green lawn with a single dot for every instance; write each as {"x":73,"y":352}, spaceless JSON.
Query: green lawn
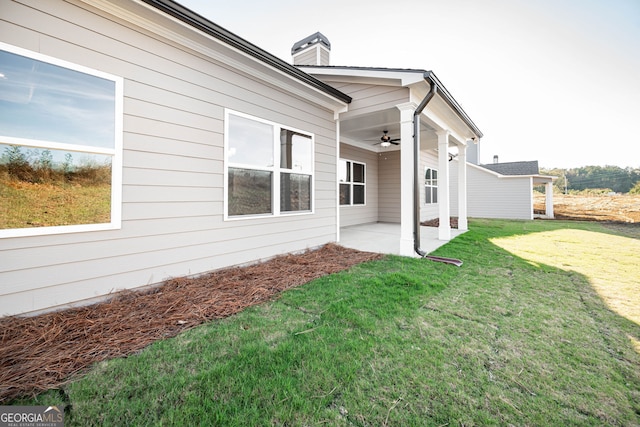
{"x":539,"y":327}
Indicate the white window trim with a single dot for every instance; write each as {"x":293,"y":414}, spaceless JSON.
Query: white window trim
{"x":426,"y":168}
{"x":115,"y":152}
{"x":275,"y":170}
{"x":351,"y":184}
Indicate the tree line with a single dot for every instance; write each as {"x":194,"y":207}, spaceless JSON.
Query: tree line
{"x":38,"y":166}
{"x":606,"y":178}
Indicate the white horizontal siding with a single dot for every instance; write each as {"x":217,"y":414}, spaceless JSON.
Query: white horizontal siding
{"x":369,"y":98}
{"x":352,"y":215}
{"x":309,"y":57}
{"x":172,"y":210}
{"x":492,"y":196}
{"x":389,"y":194}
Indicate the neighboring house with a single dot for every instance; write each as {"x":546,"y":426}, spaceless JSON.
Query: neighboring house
{"x":209,"y":151}
{"x":503,"y":190}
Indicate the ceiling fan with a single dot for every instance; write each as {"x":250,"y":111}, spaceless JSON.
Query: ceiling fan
{"x":386,"y":140}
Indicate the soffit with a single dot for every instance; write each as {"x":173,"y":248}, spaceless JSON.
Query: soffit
{"x":374,"y":76}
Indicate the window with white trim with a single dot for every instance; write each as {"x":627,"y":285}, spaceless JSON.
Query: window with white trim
{"x":430,"y":186}
{"x":60,"y":146}
{"x":269,"y":168}
{"x":352,"y":177}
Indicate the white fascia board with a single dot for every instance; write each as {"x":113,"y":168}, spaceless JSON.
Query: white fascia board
{"x":544,"y":178}
{"x":368,"y":76}
{"x":256,"y":69}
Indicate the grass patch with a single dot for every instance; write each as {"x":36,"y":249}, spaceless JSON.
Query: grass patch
{"x":27,"y":205}
{"x":505,"y":339}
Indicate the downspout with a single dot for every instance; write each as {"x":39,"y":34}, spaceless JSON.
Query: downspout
{"x":416,"y":165}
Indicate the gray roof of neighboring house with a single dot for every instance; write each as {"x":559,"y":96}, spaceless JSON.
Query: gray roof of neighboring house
{"x":199,"y":22}
{"x":514,"y":168}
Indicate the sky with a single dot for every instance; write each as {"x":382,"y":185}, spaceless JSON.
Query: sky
{"x":556,"y":81}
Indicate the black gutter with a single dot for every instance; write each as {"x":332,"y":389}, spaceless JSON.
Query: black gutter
{"x":436,"y":87}
{"x":200,"y":23}
{"x":448,"y":98}
{"x":416,"y":167}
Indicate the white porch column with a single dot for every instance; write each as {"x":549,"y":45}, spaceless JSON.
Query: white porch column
{"x":462,"y":188}
{"x":548,"y":197}
{"x":406,"y":178}
{"x":444,"y":230}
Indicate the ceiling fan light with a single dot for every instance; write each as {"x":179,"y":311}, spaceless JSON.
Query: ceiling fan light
{"x":385,"y":144}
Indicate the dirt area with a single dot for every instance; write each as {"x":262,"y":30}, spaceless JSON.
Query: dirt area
{"x":42,"y":352}
{"x":616,"y":208}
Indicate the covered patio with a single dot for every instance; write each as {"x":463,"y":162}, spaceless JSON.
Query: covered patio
{"x":383,"y":238}
{"x":395,"y":143}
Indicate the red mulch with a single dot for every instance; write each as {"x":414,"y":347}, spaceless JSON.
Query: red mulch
{"x":42,"y":352}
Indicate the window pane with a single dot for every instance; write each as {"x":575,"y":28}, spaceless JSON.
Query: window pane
{"x":435,"y":194}
{"x":295,"y":151}
{"x":427,"y":196}
{"x":47,"y":102}
{"x":358,"y":172}
{"x":295,"y":192}
{"x":42,"y":188}
{"x":250,"y":142}
{"x":358,"y":194}
{"x":345,"y":194}
{"x":344,"y":171}
{"x":427,"y":175}
{"x":249,"y":192}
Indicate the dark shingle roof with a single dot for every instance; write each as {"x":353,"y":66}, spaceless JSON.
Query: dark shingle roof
{"x":514,"y":168}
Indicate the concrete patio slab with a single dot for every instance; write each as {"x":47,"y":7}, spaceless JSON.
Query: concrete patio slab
{"x":384,"y":238}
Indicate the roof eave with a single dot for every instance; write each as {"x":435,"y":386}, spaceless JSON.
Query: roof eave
{"x":430,"y":77}
{"x":201,"y":23}
{"x":406,"y":77}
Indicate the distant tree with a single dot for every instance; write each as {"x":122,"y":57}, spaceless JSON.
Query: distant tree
{"x":558,"y":184}
{"x":45,"y":160}
{"x":635,"y":189}
{"x":17,"y":164}
{"x":592,"y":177}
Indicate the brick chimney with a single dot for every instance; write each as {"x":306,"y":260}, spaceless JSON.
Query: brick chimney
{"x":312,"y":50}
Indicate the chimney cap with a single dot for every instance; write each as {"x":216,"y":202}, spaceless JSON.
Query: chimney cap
{"x":309,"y":41}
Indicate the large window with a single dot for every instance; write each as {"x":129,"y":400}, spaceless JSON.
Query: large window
{"x":60,"y":146}
{"x":352,"y":176}
{"x":430,"y":186}
{"x":269,"y":168}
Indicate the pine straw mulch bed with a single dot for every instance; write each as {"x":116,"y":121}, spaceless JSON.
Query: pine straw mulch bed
{"x":453,"y":222}
{"x":42,"y":352}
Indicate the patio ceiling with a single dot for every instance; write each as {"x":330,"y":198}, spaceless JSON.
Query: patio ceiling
{"x":364,"y":131}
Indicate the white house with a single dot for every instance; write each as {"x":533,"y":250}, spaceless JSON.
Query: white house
{"x":503,"y":190}
{"x":214,"y":152}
